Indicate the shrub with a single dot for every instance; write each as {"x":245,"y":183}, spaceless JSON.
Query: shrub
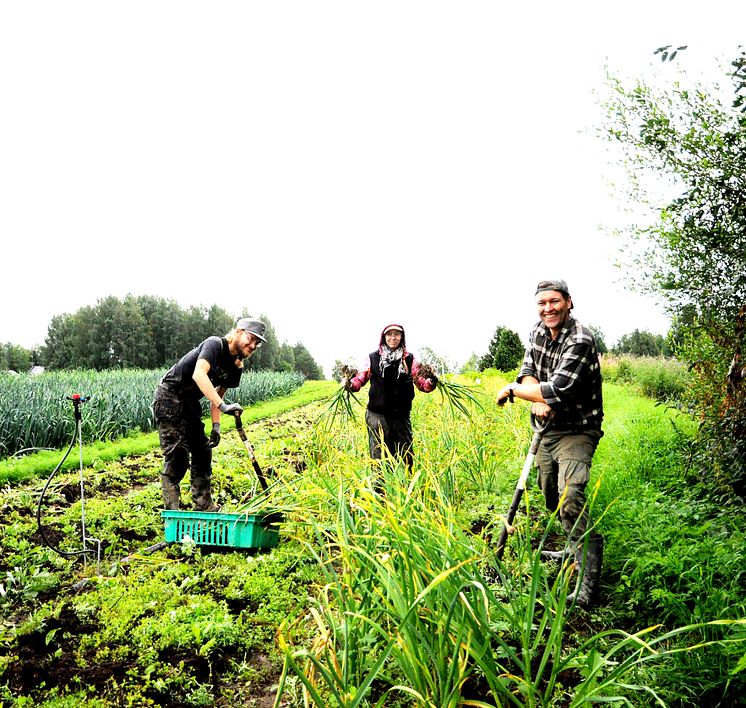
{"x":660,"y":378}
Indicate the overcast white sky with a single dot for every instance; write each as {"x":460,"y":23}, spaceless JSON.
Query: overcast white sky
{"x":335,"y":166}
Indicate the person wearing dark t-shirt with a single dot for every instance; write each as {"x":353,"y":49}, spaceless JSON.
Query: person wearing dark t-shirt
{"x":206,"y":371}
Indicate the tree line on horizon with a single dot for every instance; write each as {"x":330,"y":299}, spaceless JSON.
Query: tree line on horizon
{"x":506,"y":350}
{"x":146,"y":332}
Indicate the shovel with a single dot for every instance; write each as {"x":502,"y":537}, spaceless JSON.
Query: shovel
{"x":242,"y":434}
{"x":539,"y":427}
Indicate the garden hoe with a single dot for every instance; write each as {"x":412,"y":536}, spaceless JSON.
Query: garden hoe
{"x":242,"y":434}
{"x":539,"y":427}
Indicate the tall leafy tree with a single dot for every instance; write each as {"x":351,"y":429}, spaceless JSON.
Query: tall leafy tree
{"x":642,"y":343}
{"x":693,"y":252}
{"x":598,"y":335}
{"x":14,"y":357}
{"x":471,"y":364}
{"x":440,"y":364}
{"x":165,"y":321}
{"x":151,"y":332}
{"x":287,"y":358}
{"x":505,"y":351}
{"x":305,"y":363}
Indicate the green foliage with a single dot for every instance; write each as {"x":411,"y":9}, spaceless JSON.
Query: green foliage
{"x":15,"y":358}
{"x":643,"y":343}
{"x":305,"y":364}
{"x":384,"y":599}
{"x":505,"y":352}
{"x":718,"y":390}
{"x":673,"y":555}
{"x":663,"y":379}
{"x":598,"y":335}
{"x":148,"y":332}
{"x":413,"y":606}
{"x":136,"y":332}
{"x":471,"y":364}
{"x":24,"y":584}
{"x":39,"y":414}
{"x":692,"y":254}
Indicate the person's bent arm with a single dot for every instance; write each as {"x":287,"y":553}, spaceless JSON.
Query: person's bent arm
{"x":528,"y":389}
{"x":205,"y":385}
{"x":426,"y":384}
{"x":215,"y":410}
{"x":361,"y":377}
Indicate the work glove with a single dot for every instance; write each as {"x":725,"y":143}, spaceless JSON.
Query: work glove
{"x":214,"y":435}
{"x":231,"y":408}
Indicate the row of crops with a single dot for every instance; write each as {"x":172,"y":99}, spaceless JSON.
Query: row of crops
{"x":37,"y":411}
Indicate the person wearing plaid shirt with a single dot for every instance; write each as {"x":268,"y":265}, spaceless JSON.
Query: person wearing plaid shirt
{"x":561,"y":377}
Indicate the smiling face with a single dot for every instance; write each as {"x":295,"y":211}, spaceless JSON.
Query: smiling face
{"x":248,"y":343}
{"x":393,"y":338}
{"x":554,"y":309}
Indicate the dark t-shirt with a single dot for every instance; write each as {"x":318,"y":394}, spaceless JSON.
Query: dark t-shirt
{"x":223,"y":370}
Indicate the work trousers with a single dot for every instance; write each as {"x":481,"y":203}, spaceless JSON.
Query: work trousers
{"x":564,"y":463}
{"x":185,"y":446}
{"x":394,"y":432}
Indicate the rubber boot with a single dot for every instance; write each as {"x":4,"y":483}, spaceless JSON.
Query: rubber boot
{"x":171,"y":494}
{"x":589,"y":566}
{"x":203,"y":501}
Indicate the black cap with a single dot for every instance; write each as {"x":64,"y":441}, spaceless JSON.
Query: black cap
{"x":255,"y":327}
{"x":558,"y":285}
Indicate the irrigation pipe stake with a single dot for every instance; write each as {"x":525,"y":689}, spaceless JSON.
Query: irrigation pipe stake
{"x":242,"y":434}
{"x":539,"y":429}
{"x":77,"y":400}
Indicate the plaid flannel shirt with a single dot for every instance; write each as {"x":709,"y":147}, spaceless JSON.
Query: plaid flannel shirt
{"x":569,"y":373}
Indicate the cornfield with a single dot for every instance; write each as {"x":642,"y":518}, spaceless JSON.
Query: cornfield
{"x":37,"y":412}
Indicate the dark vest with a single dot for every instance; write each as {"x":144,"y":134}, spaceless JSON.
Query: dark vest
{"x":391,"y":394}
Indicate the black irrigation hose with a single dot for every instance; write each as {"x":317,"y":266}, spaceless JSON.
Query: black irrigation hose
{"x":44,"y":538}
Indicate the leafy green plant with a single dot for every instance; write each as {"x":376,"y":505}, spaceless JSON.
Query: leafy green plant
{"x":388,"y":599}
{"x":38,"y":414}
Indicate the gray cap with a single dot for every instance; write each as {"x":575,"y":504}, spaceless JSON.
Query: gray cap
{"x":558,"y":285}
{"x":255,"y":327}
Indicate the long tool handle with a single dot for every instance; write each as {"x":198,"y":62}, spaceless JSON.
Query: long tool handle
{"x":520,"y":487}
{"x":242,"y":434}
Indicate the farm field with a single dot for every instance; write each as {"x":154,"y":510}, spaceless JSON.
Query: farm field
{"x":390,"y":599}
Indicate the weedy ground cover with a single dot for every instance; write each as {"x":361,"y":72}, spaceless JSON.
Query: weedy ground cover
{"x":380,"y":599}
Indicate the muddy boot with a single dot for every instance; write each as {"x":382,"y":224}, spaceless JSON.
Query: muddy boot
{"x":202,"y":496}
{"x":203,"y":501}
{"x":171,"y":494}
{"x":212,"y":508}
{"x":589,"y":567}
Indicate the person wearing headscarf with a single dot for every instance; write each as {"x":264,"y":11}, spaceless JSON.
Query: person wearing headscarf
{"x":393,"y":374}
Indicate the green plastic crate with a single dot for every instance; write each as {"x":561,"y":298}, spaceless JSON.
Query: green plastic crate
{"x":228,"y":530}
